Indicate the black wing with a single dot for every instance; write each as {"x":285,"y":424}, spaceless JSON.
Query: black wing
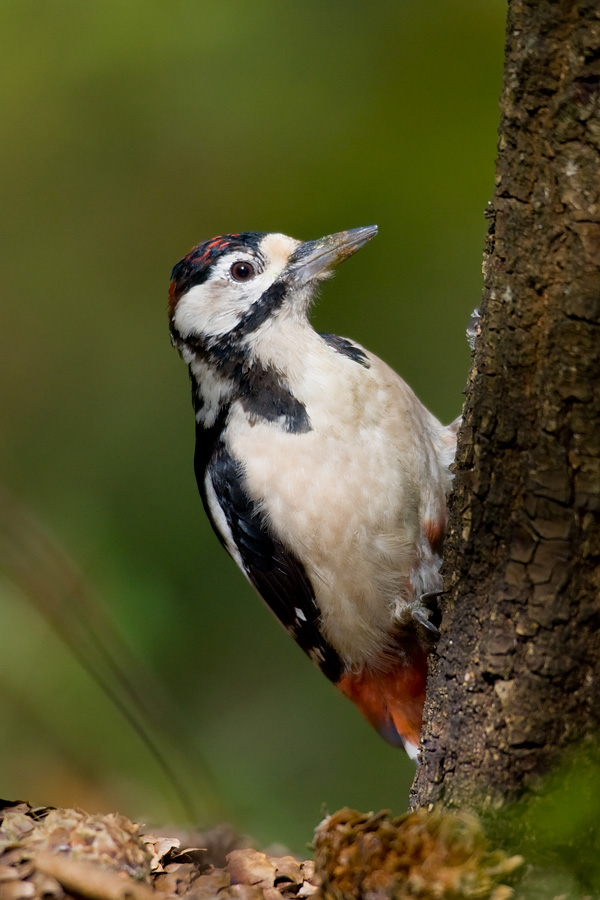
{"x":276,"y":573}
{"x":347,"y":348}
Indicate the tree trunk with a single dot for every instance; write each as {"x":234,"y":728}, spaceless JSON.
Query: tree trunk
{"x":516,"y":678}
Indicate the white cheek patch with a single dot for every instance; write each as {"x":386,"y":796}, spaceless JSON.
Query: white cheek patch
{"x":215,"y":307}
{"x":212,"y":309}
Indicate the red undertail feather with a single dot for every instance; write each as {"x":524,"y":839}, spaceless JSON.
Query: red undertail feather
{"x":434,"y":532}
{"x":391,"y":701}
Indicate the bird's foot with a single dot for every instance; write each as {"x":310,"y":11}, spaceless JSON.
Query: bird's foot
{"x":427,"y":613}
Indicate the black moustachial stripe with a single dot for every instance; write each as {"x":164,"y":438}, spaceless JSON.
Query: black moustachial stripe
{"x":262,"y":392}
{"x":261,"y":310}
{"x":347,"y":348}
{"x":219,"y":349}
{"x":278,"y":576}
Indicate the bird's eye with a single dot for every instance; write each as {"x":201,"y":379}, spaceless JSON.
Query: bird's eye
{"x":242,"y":271}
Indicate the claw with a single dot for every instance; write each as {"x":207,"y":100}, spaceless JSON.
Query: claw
{"x":428,"y":609}
{"x":422,"y":617}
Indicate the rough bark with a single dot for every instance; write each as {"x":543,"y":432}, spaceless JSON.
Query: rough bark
{"x":517,"y":673}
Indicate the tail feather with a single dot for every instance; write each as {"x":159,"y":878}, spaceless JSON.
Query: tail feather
{"x":392,"y":701}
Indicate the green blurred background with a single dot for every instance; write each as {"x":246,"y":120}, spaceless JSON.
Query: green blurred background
{"x":131,"y":131}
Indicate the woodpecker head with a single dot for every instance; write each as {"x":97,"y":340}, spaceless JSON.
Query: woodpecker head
{"x":225,"y":289}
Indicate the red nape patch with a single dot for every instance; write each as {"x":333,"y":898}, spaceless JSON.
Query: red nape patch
{"x":391,"y":701}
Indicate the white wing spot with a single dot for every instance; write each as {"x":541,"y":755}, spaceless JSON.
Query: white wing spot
{"x":300,"y":614}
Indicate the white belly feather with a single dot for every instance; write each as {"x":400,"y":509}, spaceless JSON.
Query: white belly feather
{"x":353,"y":495}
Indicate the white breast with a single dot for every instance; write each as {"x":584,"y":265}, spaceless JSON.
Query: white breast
{"x":352,"y":496}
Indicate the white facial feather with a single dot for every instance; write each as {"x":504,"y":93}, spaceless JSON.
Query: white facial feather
{"x":216,"y":306}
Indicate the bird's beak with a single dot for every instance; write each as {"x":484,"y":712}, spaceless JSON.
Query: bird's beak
{"x":314,"y":260}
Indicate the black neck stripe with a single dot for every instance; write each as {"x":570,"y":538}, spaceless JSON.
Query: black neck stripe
{"x":259,"y":312}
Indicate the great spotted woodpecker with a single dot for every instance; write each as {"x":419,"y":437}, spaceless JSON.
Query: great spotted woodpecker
{"x":322,"y":474}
